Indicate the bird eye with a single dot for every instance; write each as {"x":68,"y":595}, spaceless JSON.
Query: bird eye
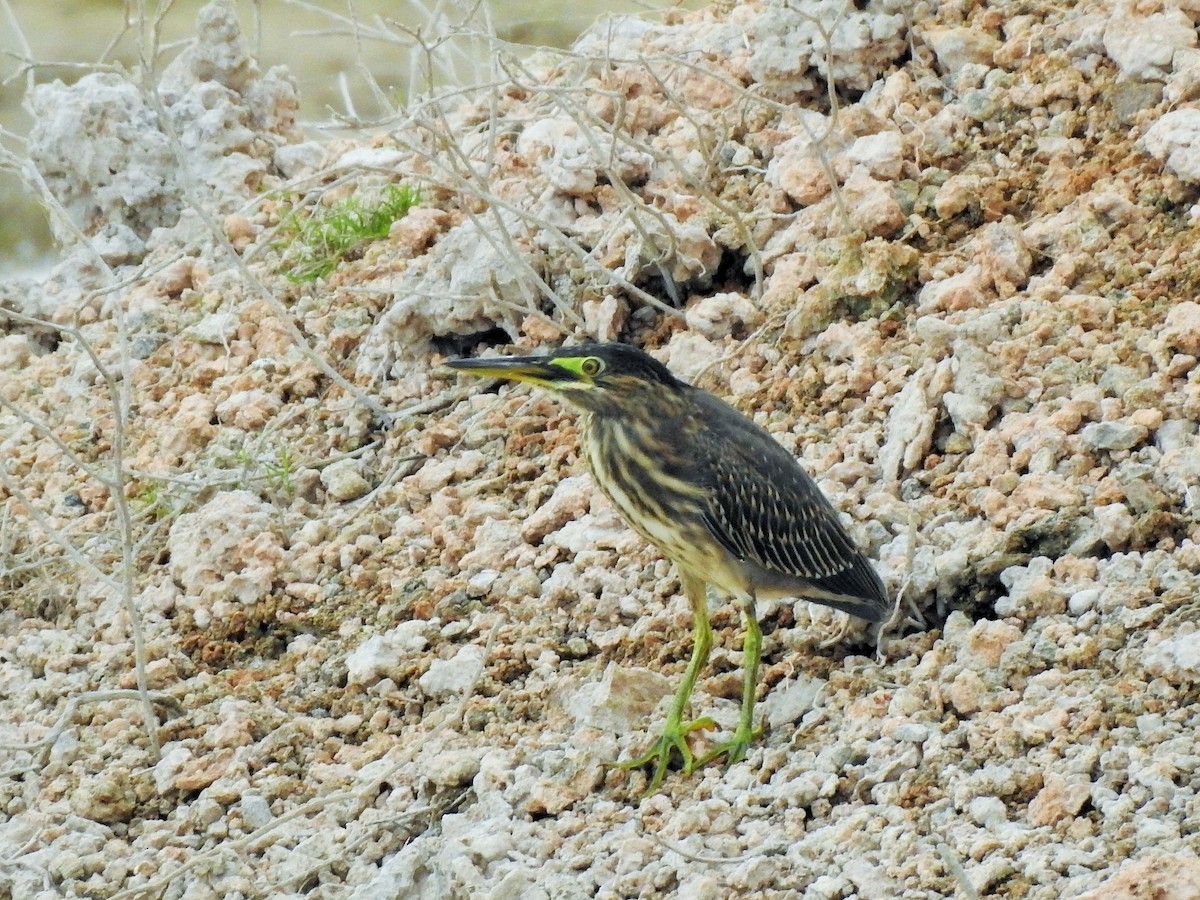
{"x":591,"y":366}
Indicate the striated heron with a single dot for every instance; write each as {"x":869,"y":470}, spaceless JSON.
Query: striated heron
{"x":716,"y":494}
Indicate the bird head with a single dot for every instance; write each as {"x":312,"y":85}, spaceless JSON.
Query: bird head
{"x":595,"y":377}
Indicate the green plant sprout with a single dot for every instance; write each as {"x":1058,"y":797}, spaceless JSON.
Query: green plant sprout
{"x":316,"y":245}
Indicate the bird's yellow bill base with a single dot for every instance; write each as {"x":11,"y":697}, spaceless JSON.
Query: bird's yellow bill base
{"x":673,"y":740}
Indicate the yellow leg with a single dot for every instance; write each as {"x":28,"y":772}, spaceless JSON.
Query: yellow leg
{"x":735,"y":750}
{"x":675,"y":730}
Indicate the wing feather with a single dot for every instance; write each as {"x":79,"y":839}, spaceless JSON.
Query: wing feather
{"x":764,"y":508}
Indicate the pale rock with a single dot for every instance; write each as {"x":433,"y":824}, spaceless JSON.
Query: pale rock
{"x":988,"y":812}
{"x":664,"y":245}
{"x":954,"y":293}
{"x":959,"y":46}
{"x":981,"y":647}
{"x":1181,"y":328}
{"x":109,"y":162}
{"x":249,"y":410}
{"x":1031,"y":591}
{"x":840,"y":342}
{"x":789,"y":46}
{"x":494,"y":539}
{"x":1004,"y":254}
{"x":1176,"y":658}
{"x":228,"y":548}
{"x":715,"y":316}
{"x":1166,"y":876}
{"x":15,"y":351}
{"x":966,"y":693}
{"x":168,"y":767}
{"x":589,"y":532}
{"x":298,"y":160}
{"x":1184,"y":83}
{"x":128,"y":178}
{"x":448,"y":677}
{"x":472,"y":262}
{"x":1114,"y":525}
{"x":688,"y":354}
{"x":573,"y":160}
{"x":1114,"y":435}
{"x":1175,"y":435}
{"x":789,"y":701}
{"x":1143,"y":44}
{"x":957,"y":193}
{"x":881,"y":154}
{"x":412,"y":234}
{"x":368,"y":158}
{"x":872,"y":204}
{"x":344,"y":480}
{"x":450,"y":767}
{"x":620,"y":701}
{"x":215,"y":328}
{"x":1082,"y":601}
{"x":480,"y":583}
{"x":572,"y":498}
{"x":976,"y":390}
{"x":256,"y":811}
{"x":795,"y":165}
{"x":605,"y":319}
{"x":1175,"y":138}
{"x":966,"y":411}
{"x":910,"y":424}
{"x":1060,"y":798}
{"x":381,"y":655}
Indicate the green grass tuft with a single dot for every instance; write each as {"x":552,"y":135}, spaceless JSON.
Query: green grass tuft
{"x":316,"y":245}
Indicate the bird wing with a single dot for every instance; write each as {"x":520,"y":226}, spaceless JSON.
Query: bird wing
{"x":764,"y":508}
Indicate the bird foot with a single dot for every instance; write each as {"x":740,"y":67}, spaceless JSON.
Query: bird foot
{"x":733,"y":750}
{"x":673,"y":740}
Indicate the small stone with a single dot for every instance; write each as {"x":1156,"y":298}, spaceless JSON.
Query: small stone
{"x":1160,"y":875}
{"x":959,"y":46}
{"x":239,"y":230}
{"x":215,"y":328}
{"x":1114,"y":525}
{"x":881,"y":154}
{"x":571,"y":498}
{"x":344,"y":480}
{"x":382,"y":654}
{"x":1082,"y":601}
{"x":453,"y":768}
{"x":1181,"y":329}
{"x":256,"y":811}
{"x":249,"y":410}
{"x":619,"y":701}
{"x":1143,"y":45}
{"x":788,"y":702}
{"x":1177,"y":658}
{"x":448,"y":677}
{"x":912,"y":732}
{"x":1175,"y":138}
{"x":988,"y":812}
{"x":966,"y":693}
{"x":716,"y":316}
{"x":1114,"y":435}
{"x":872,"y":203}
{"x":1060,"y":798}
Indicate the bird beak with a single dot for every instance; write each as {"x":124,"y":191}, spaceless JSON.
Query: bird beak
{"x":540,"y":370}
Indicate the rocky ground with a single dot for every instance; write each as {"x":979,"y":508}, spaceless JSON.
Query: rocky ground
{"x":286,"y":610}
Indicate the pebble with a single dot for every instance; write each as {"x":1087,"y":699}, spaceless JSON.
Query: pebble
{"x":448,"y":677}
{"x":345,"y":480}
{"x":1114,"y":435}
